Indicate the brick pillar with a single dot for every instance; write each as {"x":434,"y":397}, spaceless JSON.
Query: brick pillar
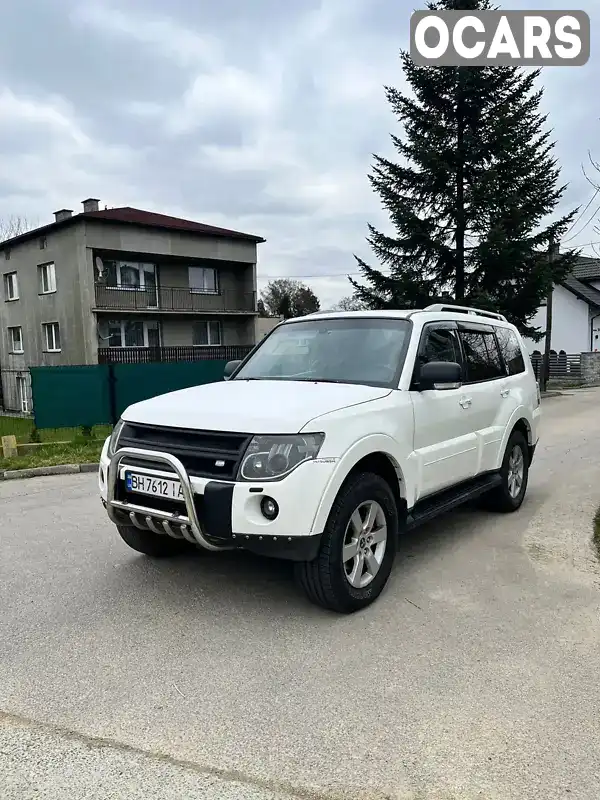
{"x":590,"y":368}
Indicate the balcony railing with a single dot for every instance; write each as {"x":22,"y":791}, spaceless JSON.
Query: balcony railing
{"x":173,"y":298}
{"x":148,"y":355}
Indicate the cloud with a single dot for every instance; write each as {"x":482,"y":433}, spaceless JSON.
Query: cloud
{"x":262,"y":116}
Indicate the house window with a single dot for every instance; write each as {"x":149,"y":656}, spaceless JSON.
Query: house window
{"x":23,"y":394}
{"x":51,"y":333}
{"x":15,"y":338}
{"x":133,"y":333}
{"x":206,"y":332}
{"x":43,"y":243}
{"x":7,"y":254}
{"x":203,"y":280}
{"x":47,"y":278}
{"x":11,"y":287}
{"x":130,"y":275}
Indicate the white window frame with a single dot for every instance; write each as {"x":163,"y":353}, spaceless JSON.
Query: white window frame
{"x":11,"y":338}
{"x":47,"y":274}
{"x":208,"y":322}
{"x":22,"y":393}
{"x":141,"y":267}
{"x":46,"y":328}
{"x":203,"y":289}
{"x":11,"y":286}
{"x":121,"y":324}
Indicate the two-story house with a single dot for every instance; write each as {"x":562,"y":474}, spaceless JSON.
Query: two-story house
{"x":123,"y":285}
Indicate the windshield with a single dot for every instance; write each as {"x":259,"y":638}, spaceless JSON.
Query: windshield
{"x":369,"y":351}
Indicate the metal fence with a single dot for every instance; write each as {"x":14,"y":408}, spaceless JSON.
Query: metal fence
{"x":173,"y":298}
{"x":15,"y":392}
{"x":150,"y":355}
{"x":562,"y":366}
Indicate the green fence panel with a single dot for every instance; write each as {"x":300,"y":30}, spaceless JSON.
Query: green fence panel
{"x":70,"y":397}
{"x":135,"y":382}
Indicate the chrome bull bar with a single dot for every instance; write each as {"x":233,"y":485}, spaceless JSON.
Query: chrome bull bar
{"x":178,"y":526}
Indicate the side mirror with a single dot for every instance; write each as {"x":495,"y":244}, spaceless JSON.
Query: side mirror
{"x":440,"y":375}
{"x":230,"y":368}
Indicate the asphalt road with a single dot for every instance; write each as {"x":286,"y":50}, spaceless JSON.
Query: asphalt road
{"x":476,"y":674}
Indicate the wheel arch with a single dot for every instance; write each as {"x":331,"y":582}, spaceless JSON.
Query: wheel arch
{"x":378,"y":460}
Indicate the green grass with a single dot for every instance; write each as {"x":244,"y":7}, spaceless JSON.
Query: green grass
{"x":78,"y":448}
{"x":74,"y":453}
{"x":23,"y":429}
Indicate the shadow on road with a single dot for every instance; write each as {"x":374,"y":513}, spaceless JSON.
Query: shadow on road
{"x":239,"y":582}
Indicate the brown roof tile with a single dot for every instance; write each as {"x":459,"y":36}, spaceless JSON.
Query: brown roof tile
{"x":135,"y":216}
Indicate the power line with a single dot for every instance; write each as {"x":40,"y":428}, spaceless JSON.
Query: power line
{"x":330,"y":275}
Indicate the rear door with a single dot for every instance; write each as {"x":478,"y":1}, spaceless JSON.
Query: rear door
{"x":445,"y":442}
{"x":486,"y":386}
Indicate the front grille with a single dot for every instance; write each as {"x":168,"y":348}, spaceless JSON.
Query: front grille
{"x":198,"y":451}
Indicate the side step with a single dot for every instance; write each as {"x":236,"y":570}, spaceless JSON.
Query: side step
{"x":432,"y":507}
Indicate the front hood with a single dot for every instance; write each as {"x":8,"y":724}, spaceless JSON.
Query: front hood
{"x":250,"y":406}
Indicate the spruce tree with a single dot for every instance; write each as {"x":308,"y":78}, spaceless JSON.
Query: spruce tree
{"x":471,"y":195}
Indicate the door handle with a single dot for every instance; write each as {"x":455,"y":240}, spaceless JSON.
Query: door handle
{"x":505,"y":392}
{"x":465,"y":402}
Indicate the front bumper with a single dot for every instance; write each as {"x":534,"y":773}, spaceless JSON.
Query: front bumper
{"x":220,"y":515}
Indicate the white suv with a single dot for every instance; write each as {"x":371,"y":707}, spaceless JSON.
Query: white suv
{"x":338,"y":432}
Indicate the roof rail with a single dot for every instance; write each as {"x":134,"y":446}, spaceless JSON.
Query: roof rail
{"x":477,"y":312}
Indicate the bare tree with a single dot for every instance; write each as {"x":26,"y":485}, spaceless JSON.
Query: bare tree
{"x":13,"y":226}
{"x":349,"y":304}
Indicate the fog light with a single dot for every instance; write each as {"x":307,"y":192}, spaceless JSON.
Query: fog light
{"x":269,"y":508}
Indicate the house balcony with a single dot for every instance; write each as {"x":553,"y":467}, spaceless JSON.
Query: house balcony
{"x":173,"y":299}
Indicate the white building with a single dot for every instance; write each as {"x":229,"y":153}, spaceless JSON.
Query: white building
{"x":575,"y":311}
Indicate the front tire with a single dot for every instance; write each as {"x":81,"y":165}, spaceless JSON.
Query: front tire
{"x":153,"y":544}
{"x":357,"y":549}
{"x":509,"y":495}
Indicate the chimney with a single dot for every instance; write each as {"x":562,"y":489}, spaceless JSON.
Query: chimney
{"x":91,"y":204}
{"x":64,"y":213}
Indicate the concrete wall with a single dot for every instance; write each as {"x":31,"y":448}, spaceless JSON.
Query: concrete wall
{"x":72,"y":251}
{"x":169,"y":243}
{"x":570,"y":323}
{"x":265,"y":325}
{"x":66,"y":249}
{"x":178,"y":331}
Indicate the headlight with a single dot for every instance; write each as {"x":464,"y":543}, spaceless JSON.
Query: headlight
{"x":114,"y":438}
{"x":270,"y":458}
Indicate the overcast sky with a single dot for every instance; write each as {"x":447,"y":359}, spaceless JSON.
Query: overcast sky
{"x":259,"y":115}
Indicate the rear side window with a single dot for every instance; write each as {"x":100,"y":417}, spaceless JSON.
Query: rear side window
{"x":511,"y":351}
{"x":482,"y":358}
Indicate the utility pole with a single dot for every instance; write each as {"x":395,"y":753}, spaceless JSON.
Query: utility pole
{"x":553,"y":251}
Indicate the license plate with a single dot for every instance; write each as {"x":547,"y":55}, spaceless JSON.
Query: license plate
{"x":158,"y":487}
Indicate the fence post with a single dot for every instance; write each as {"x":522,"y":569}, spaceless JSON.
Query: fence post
{"x":9,"y":446}
{"x":112,"y":394}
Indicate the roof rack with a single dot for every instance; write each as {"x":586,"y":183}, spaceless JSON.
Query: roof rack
{"x":477,"y":312}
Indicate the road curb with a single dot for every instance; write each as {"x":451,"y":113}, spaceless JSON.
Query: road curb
{"x":36,"y":472}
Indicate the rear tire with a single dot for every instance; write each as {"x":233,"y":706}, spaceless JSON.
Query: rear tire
{"x":509,"y":495}
{"x":153,"y":544}
{"x":357,"y":549}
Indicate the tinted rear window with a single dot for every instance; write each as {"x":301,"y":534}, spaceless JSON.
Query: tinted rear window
{"x":511,"y":351}
{"x":482,"y":359}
